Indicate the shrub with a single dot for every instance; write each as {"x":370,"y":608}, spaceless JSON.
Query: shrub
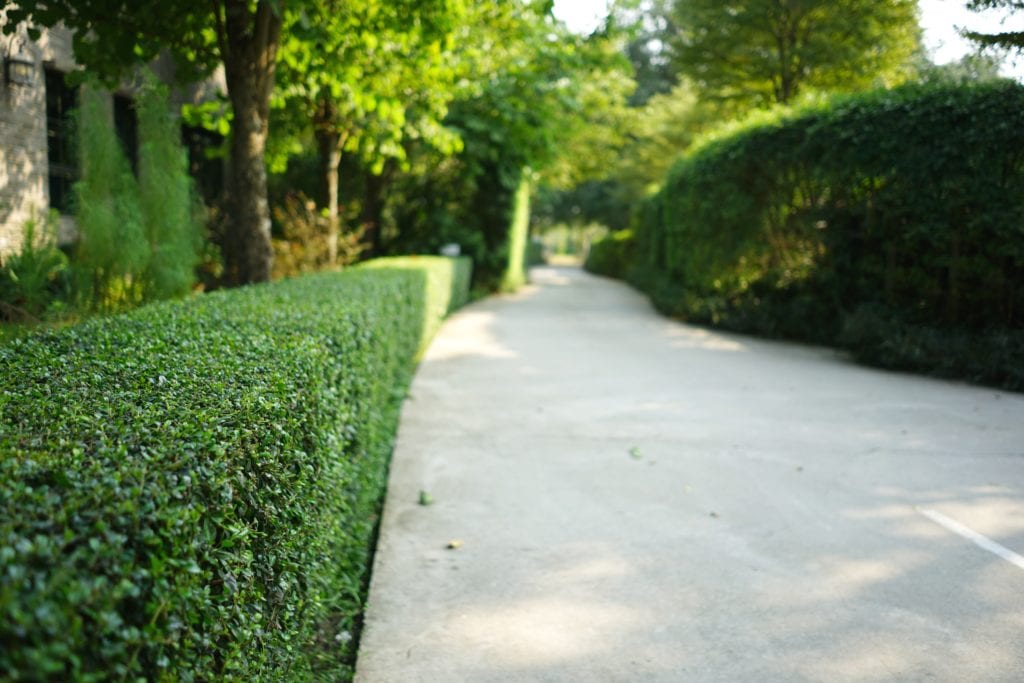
{"x":911,"y":200}
{"x":170,"y":207}
{"x":140,"y":239}
{"x":189,"y":491}
{"x":535,"y":253}
{"x":881,"y":337}
{"x":309,"y":244}
{"x":112,"y":251}
{"x":483,"y":205}
{"x":34,"y":280}
{"x":611,"y":256}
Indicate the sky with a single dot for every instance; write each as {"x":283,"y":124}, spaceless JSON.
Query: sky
{"x":939,"y":18}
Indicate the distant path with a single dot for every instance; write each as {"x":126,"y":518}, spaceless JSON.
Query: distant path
{"x":640,"y":500}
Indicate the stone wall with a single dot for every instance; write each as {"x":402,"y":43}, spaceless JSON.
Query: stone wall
{"x":24,"y":187}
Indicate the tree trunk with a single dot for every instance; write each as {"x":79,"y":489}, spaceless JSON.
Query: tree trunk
{"x":373,"y":208}
{"x":329,"y":144}
{"x":249,"y":255}
{"x":249,"y":41}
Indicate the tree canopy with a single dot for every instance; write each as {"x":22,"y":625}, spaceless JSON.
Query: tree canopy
{"x":769,"y":51}
{"x":1011,"y":40}
{"x":361,"y":78}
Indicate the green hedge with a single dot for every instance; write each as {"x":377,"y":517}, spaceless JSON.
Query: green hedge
{"x":612,"y":256}
{"x":189,"y":492}
{"x":883,"y":222}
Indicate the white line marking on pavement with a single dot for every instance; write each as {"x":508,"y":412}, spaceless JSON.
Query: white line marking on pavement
{"x":972,"y":535}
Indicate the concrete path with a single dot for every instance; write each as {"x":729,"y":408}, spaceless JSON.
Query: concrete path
{"x":640,"y":500}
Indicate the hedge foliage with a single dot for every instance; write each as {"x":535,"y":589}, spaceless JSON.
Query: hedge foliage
{"x":886,"y":222}
{"x":189,"y":491}
{"x":611,"y":256}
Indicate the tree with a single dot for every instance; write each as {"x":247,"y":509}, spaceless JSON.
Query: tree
{"x":769,"y":51}
{"x":598,"y":124}
{"x":971,"y":68}
{"x":363,"y":76}
{"x":1011,"y":40}
{"x":522,"y":89}
{"x":662,"y":130}
{"x":648,"y":27}
{"x":113,"y":36}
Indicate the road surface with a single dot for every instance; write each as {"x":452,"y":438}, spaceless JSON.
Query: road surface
{"x":633,"y":499}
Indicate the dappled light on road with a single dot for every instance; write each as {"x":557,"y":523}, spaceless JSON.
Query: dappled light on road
{"x":697,"y":338}
{"x":473,"y":338}
{"x":543,"y":631}
{"x":549,"y":277}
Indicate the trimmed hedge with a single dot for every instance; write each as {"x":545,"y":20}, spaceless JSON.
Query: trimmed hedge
{"x":611,"y":256}
{"x":884,"y":222}
{"x":189,"y":492}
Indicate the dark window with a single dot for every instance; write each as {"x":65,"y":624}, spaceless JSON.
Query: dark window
{"x":61,"y":100}
{"x":126,"y":123}
{"x":205,"y":161}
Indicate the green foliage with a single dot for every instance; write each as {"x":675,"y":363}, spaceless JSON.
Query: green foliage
{"x":664,"y":127}
{"x":596,"y":124}
{"x":968,"y":69}
{"x":169,"y":206}
{"x":139,"y":239}
{"x":765,"y":51}
{"x":170,"y":210}
{"x":1011,"y":40}
{"x":369,"y":73}
{"x":365,"y":81}
{"x":603,"y":202}
{"x":649,"y":29}
{"x":308,"y":242}
{"x":882,"y":337}
{"x":612,"y":256}
{"x":36,"y":278}
{"x":113,"y":250}
{"x":188,"y":492}
{"x":535,"y":255}
{"x":572,"y":240}
{"x":908,"y":201}
{"x":634,"y":160}
{"x":111,"y":36}
{"x":447,"y":286}
{"x":523,"y":83}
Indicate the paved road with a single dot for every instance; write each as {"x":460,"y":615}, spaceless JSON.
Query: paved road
{"x":640,"y":500}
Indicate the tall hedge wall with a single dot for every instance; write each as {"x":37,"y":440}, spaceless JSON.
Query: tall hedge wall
{"x":188,"y":492}
{"x":892,"y":223}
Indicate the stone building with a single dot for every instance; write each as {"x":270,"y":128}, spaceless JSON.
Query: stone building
{"x":37,"y":153}
{"x":33,"y":141}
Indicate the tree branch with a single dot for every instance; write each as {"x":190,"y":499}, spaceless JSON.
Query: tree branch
{"x":222,"y":39}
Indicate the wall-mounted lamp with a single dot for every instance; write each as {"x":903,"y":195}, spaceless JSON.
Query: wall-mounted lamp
{"x":19,"y":70}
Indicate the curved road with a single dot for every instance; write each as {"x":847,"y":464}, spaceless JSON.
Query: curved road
{"x":640,"y":500}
